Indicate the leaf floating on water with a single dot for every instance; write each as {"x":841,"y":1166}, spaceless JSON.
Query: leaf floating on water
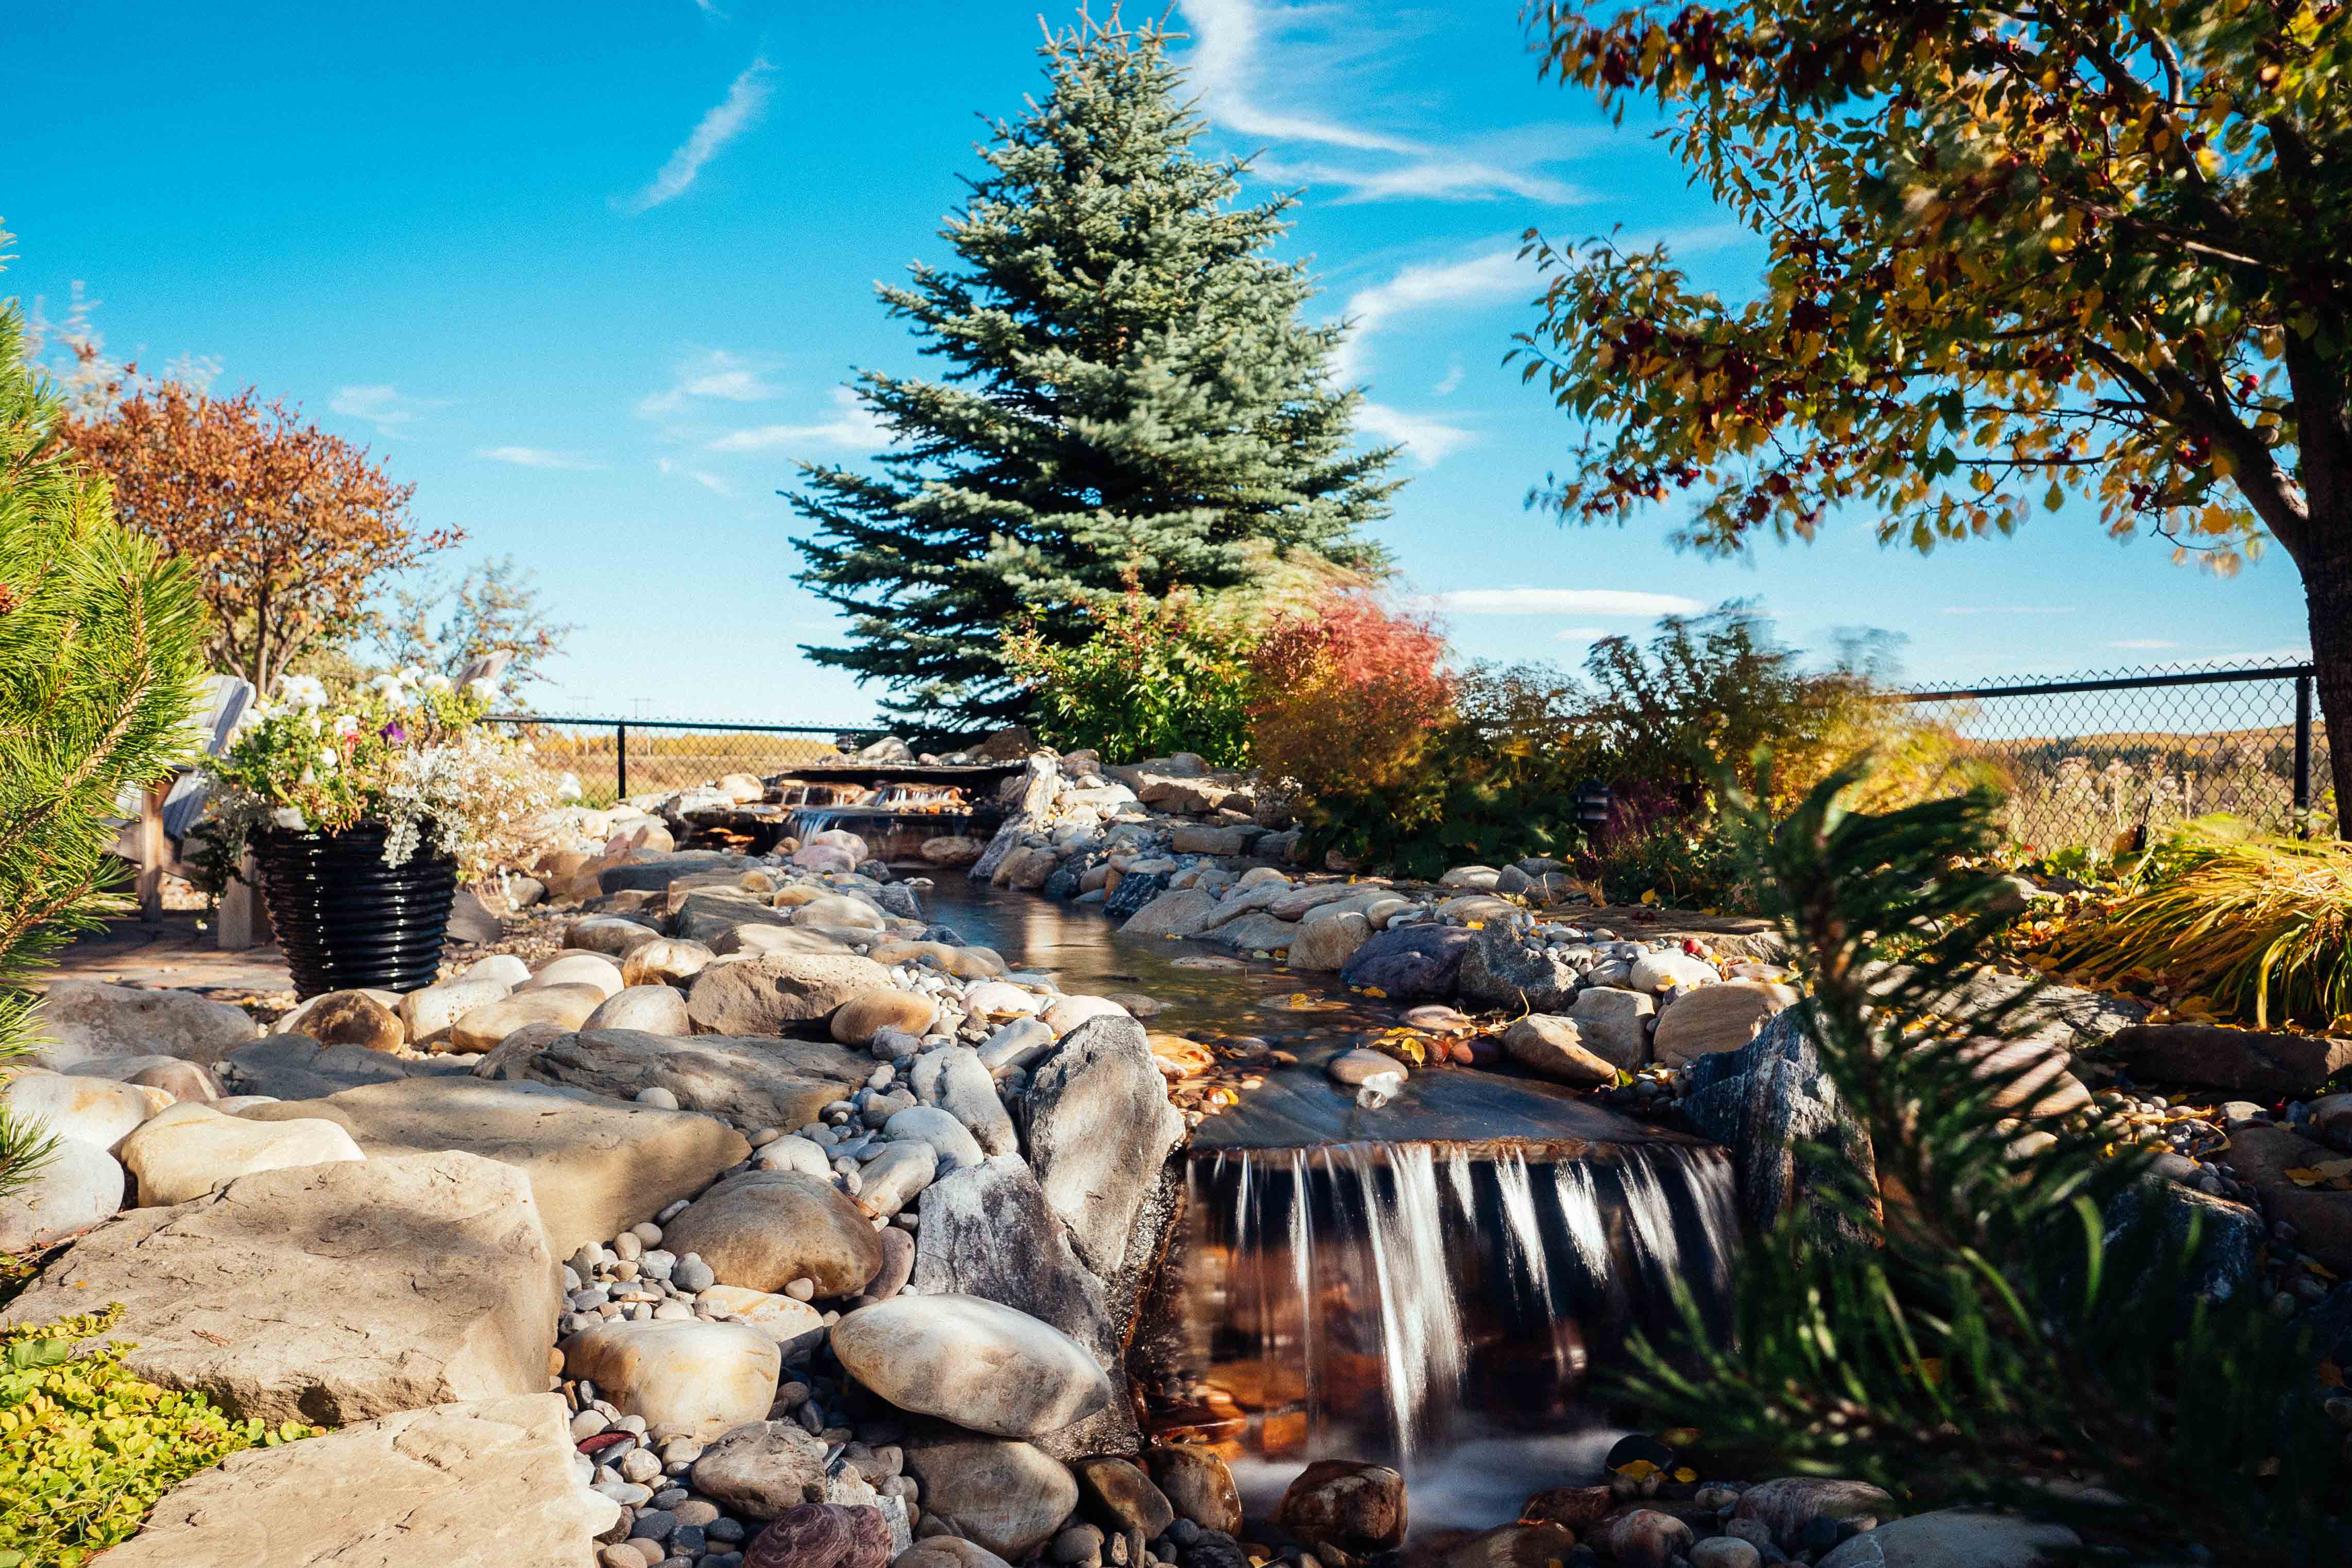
{"x":1685,"y":1474}
{"x":1637,"y":1469}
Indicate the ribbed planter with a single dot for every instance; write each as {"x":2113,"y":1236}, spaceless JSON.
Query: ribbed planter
{"x":345,"y":919}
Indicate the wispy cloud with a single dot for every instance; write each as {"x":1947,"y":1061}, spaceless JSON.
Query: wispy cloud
{"x":2143,"y":645}
{"x":1427,"y":441}
{"x":1480,"y":280}
{"x":1225,"y":67}
{"x":714,"y":373}
{"x":1580,"y":634}
{"x":535,"y":458}
{"x":1451,"y":383}
{"x":1562,"y":602}
{"x":2010,"y":610}
{"x":388,"y":408}
{"x":852,"y":426}
{"x":710,"y":482}
{"x":746,"y":100}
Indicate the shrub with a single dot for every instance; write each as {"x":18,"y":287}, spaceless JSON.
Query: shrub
{"x":2261,"y":925}
{"x":1156,"y":676}
{"x":1349,"y":692}
{"x":87,"y":1446}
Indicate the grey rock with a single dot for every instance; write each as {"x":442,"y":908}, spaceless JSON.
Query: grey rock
{"x":1765,"y":1100}
{"x":1135,"y":890}
{"x":1098,"y":1129}
{"x":296,"y":1067}
{"x":1500,"y":970}
{"x":1957,"y":1538}
{"x":1409,"y":964}
{"x":761,"y":1470}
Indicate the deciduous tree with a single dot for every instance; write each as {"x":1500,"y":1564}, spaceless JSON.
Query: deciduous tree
{"x":2015,"y":255}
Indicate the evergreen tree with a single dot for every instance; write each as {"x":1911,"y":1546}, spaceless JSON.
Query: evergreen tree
{"x":1132,"y":393}
{"x":99,"y":640}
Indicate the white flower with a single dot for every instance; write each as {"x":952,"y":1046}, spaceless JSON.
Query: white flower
{"x":290,"y":816}
{"x":327,"y":758}
{"x":303,"y":691}
{"x":482,"y":691}
{"x":346,"y":724}
{"x":409,"y":674}
{"x":566,"y":788}
{"x":307,"y":777}
{"x":437,"y":681}
{"x":314,"y":724}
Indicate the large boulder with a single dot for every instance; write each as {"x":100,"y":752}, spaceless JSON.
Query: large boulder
{"x":1554,"y":1047}
{"x":565,"y":1005}
{"x":296,"y":1067}
{"x":751,"y":1083}
{"x":80,"y":1185}
{"x":1712,"y":1018}
{"x":190,"y":1150}
{"x":327,"y":1293}
{"x":82,"y":1020}
{"x":597,"y":1166}
{"x":1008,"y":1497}
{"x":97,"y":1112}
{"x":482,"y":1485}
{"x":2243,"y":1061}
{"x":1345,"y":1509}
{"x":1957,"y":1538}
{"x":764,"y":1229}
{"x":1409,"y":964}
{"x":1768,"y":1102}
{"x":762,"y":1468}
{"x":1324,"y":946}
{"x":695,"y":1379}
{"x":1183,"y":913}
{"x":768,"y":994}
{"x":1502,"y":970}
{"x":1098,"y":1129}
{"x":983,"y":1366}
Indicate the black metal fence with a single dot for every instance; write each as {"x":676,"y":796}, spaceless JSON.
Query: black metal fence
{"x":2096,"y":759}
{"x":613,"y":758}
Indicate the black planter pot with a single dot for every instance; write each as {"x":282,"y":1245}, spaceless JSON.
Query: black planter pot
{"x":345,"y":919}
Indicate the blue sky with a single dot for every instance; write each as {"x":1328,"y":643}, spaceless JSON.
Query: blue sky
{"x":591,"y":278}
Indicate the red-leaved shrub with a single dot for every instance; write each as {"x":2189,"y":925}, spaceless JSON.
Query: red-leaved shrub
{"x":1349,"y":692}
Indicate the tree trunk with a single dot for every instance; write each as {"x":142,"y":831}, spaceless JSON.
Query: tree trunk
{"x":2327,"y":590}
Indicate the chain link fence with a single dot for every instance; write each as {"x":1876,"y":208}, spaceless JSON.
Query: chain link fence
{"x":2106,"y":758}
{"x":616,"y":757}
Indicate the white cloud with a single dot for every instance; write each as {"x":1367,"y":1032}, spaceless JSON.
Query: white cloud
{"x":711,"y":482}
{"x":1223,"y":66}
{"x":2142,"y":644}
{"x":715,"y":373}
{"x":1480,"y":280}
{"x":2011,"y":609}
{"x":1580,"y":634}
{"x":1430,"y":441}
{"x":1563,"y":602}
{"x":388,"y":408}
{"x":535,"y":458}
{"x":852,"y":426}
{"x":746,"y":100}
{"x":1452,"y":381}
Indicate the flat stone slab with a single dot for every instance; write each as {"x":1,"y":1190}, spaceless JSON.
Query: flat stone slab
{"x":482,"y":1485}
{"x":327,"y":1293}
{"x":596,"y":1165}
{"x":752,"y":1082}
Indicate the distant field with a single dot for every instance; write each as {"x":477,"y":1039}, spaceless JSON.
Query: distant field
{"x":670,"y":760}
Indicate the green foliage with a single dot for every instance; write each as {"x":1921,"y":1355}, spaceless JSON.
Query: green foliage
{"x":87,"y":1446}
{"x":98,"y":665}
{"x":2260,"y":925}
{"x":1983,"y":1324}
{"x":1130,"y":392}
{"x":1155,"y":676}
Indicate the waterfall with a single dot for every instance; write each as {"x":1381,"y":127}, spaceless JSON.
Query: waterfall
{"x":1365,"y":1298}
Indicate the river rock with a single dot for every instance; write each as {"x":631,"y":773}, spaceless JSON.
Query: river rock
{"x":839,"y":909}
{"x":1712,"y":1018}
{"x":1614,"y":1024}
{"x":764,"y":1229}
{"x":753,"y":1083}
{"x":866,"y":1014}
{"x":97,"y":1112}
{"x":653,"y":1009}
{"x":1514,"y":1546}
{"x":1354,"y":1067}
{"x":1099,"y":1128}
{"x":949,"y":849}
{"x":82,"y":1020}
{"x":188,"y":1151}
{"x":1135,"y":889}
{"x":1008,"y":1497}
{"x":1120,"y":1497}
{"x":180,"y":1079}
{"x":1198,"y":1485}
{"x":2245,"y":1061}
{"x":427,"y":1014}
{"x":614,"y":936}
{"x":503,"y":967}
{"x":1183,"y":913}
{"x":1766,"y":1101}
{"x":1554,"y":1047}
{"x":2322,"y":1218}
{"x":700,"y":1380}
{"x":895,"y":1177}
{"x":795,"y":1326}
{"x":78,"y":1186}
{"x":482,"y":1485}
{"x":1501,"y":969}
{"x":389,"y":1284}
{"x":1957,"y":1538}
{"x":823,"y":1535}
{"x":1662,"y":969}
{"x":350,"y":1018}
{"x":730,"y":920}
{"x":655,"y":874}
{"x":565,"y":1006}
{"x":1324,"y":946}
{"x":666,"y":961}
{"x":1646,"y":1538}
{"x":574,"y":969}
{"x":596,"y":1166}
{"x":296,"y":1067}
{"x":949,"y":1140}
{"x":977,"y":1363}
{"x":947,"y":1552}
{"x":1346,"y":1509}
{"x":1067,"y":1013}
{"x":1409,"y":964}
{"x":766,"y":995}
{"x":1785,"y":1507}
{"x":1018,"y":1044}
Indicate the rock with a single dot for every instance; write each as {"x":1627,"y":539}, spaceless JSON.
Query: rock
{"x":1957,"y":1538}
{"x":842,"y":910}
{"x":795,"y":1326}
{"x":179,"y":1079}
{"x":1346,"y":1509}
{"x":1018,"y":1044}
{"x":700,"y":1379}
{"x":1353,"y":1067}
{"x":1573,"y":1508}
{"x":655,"y":875}
{"x":565,"y":1006}
{"x":866,"y":1014}
{"x":596,"y":1167}
{"x":1026,"y":869}
{"x":1201,"y":839}
{"x":1409,"y":964}
{"x":1324,"y":946}
{"x":1612,"y":1024}
{"x":751,"y":1083}
{"x":1724,"y":1551}
{"x":947,"y":1552}
{"x":1183,"y":913}
{"x":762,"y":1468}
{"x":666,"y":961}
{"x":296,"y":1067}
{"x":950,"y":849}
{"x":1662,"y":969}
{"x":1785,"y":1507}
{"x":1554,"y":1047}
{"x":654,"y":1009}
{"x":2245,"y":1061}
{"x":895,"y":1177}
{"x":764,"y":1229}
{"x":1067,"y":1013}
{"x":980,"y":1363}
{"x":823,"y":1535}
{"x":390,"y":1284}
{"x":949,"y":1140}
{"x":1120,"y":1497}
{"x":1711,"y":1018}
{"x":84,"y":1020}
{"x":1502,"y":970}
{"x":593,"y":969}
{"x":1198,"y":1486}
{"x":1765,"y":1101}
{"x":2029,"y":1074}
{"x":1646,"y":1538}
{"x":1255,"y":933}
{"x":78,"y":1185}
{"x":1135,"y":889}
{"x":427,"y":1014}
{"x":2229,"y":1234}
{"x":765,"y":995}
{"x":1098,"y":1126}
{"x":97,"y":1112}
{"x":189,"y":1151}
{"x":479,"y":1485}
{"x":1007,"y":1497}
{"x":503,"y":967}
{"x":2321,"y":1220}
{"x":1517,"y":1546}
{"x":610,"y":935}
{"x":471,"y":920}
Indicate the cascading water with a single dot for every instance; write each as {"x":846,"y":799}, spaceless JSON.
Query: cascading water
{"x":894,"y":820}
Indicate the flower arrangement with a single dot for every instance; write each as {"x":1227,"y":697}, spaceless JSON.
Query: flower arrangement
{"x":403,"y":751}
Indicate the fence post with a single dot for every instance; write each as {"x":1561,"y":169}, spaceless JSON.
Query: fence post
{"x":2302,"y":756}
{"x":621,"y":762}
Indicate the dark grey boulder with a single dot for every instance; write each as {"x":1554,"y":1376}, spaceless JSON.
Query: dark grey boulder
{"x":1411,"y":963}
{"x":1765,"y":1101}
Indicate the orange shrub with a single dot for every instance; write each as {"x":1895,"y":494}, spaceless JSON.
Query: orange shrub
{"x":1348,"y":693}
